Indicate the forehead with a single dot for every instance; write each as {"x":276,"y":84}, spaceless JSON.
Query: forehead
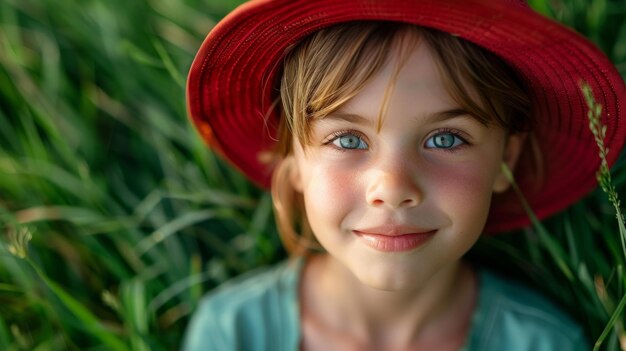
{"x":409,"y":82}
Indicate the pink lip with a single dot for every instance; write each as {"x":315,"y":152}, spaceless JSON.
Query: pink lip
{"x":394,"y":238}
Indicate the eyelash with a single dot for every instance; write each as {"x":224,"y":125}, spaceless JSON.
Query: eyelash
{"x":335,"y":135}
{"x":456,"y":133}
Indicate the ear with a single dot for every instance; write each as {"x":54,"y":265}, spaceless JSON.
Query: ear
{"x":512,"y":151}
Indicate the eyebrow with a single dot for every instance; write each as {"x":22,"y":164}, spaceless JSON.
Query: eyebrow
{"x":349,"y":117}
{"x":438,"y":116}
{"x":453,"y":113}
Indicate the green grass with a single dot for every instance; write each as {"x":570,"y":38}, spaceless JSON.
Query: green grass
{"x":115,"y":218}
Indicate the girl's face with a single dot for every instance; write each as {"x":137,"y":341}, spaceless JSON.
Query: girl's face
{"x":399,"y":203}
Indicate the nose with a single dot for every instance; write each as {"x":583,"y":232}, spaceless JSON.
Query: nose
{"x":393,"y":185}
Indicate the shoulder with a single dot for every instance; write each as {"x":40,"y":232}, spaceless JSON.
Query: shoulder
{"x":258,"y":308}
{"x":512,"y":316}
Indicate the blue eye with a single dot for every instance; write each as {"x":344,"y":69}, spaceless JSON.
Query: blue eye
{"x":349,"y":141}
{"x":445,"y":140}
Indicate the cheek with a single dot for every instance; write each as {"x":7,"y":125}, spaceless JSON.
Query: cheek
{"x":329,"y":192}
{"x":467,"y":182}
{"x":465,"y":191}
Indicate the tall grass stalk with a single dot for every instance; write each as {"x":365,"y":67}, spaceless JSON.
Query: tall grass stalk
{"x":603,"y":175}
{"x":615,"y":322}
{"x":604,"y":179}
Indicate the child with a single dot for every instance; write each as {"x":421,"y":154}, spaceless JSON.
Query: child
{"x":384,"y":130}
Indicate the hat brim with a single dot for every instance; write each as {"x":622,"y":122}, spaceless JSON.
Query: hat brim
{"x":231,"y":86}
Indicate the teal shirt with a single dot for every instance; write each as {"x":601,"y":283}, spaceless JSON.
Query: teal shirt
{"x":260,"y":311}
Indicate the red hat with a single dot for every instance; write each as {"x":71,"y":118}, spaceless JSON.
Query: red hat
{"x":231,"y":85}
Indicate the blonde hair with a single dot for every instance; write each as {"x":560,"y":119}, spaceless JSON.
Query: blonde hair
{"x":325,"y":70}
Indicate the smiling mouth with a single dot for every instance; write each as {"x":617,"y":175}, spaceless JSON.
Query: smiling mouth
{"x":394,"y":242}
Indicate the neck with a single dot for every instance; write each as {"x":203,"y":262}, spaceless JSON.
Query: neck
{"x":426,"y":310}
